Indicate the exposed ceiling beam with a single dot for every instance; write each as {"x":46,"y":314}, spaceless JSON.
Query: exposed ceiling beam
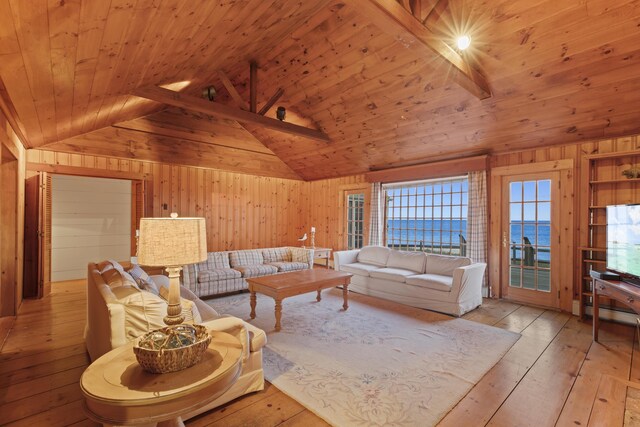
{"x":436,"y":13}
{"x":274,"y":98}
{"x":395,"y":20}
{"x":12,"y":116}
{"x":253,"y":86}
{"x":193,"y":103}
{"x":237,"y":99}
{"x":416,"y":8}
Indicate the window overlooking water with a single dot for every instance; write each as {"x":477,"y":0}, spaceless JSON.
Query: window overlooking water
{"x":530,"y":234}
{"x":428,"y":216}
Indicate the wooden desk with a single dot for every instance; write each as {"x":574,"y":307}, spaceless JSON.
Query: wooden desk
{"x":322,"y":253}
{"x":619,"y":291}
{"x":118,"y":391}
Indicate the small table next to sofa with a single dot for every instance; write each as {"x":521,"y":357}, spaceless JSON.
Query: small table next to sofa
{"x":118,"y":391}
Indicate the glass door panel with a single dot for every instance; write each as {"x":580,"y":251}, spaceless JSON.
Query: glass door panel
{"x":528,"y":228}
{"x":355,"y":220}
{"x":529,"y":224}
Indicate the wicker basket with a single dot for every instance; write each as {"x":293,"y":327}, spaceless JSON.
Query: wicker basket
{"x":174,"y":359}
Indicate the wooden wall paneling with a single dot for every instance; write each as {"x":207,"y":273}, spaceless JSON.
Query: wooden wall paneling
{"x":9,"y":232}
{"x":567,"y":241}
{"x":494,"y":258}
{"x":125,"y":143}
{"x":241,"y":211}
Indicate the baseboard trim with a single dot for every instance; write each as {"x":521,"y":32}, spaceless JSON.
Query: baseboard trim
{"x":6,"y":323}
{"x":608,"y":314}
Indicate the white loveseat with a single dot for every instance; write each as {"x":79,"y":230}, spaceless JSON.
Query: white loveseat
{"x":119,"y":311}
{"x":447,"y":284}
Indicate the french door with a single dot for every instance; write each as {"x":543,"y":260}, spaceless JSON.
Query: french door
{"x":355,"y":208}
{"x":530,"y":243}
{"x":354,"y":221}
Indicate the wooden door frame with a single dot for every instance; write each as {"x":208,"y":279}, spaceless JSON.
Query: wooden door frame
{"x":551,"y":300}
{"x":145,"y":178}
{"x":566,"y":226}
{"x":10,"y":297}
{"x":344,"y":190}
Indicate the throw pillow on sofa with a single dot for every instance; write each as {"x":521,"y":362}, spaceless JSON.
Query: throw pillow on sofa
{"x":276,"y":255}
{"x":143,"y":279}
{"x":244,"y":258}
{"x":116,"y":278}
{"x":374,"y":255}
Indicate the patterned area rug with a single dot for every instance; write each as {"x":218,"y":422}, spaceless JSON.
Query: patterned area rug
{"x":377,"y":364}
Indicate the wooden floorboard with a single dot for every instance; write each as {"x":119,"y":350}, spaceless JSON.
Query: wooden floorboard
{"x":553,"y":375}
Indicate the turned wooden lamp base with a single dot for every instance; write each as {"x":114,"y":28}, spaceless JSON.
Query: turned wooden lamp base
{"x":174,"y":309}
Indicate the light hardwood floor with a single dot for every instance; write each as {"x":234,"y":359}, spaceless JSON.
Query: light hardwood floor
{"x":553,"y":375}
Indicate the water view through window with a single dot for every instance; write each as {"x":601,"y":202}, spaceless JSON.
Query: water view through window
{"x":429,"y":216}
{"x":530,"y":235}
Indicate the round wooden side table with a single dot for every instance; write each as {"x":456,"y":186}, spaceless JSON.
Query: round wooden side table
{"x":118,"y":391}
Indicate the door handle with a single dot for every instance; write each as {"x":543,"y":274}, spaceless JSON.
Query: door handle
{"x":504,"y":239}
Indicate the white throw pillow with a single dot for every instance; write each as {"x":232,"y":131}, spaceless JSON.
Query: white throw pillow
{"x":374,"y":255}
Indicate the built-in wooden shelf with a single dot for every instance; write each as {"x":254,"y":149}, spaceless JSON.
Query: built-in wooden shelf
{"x":595,"y":261}
{"x":603,"y":184}
{"x":614,"y":181}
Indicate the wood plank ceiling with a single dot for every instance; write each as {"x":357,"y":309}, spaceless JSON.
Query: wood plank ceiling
{"x":559,"y":72}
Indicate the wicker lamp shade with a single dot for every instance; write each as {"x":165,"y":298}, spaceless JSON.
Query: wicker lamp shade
{"x":172,"y":241}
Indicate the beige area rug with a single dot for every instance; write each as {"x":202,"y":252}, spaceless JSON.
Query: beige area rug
{"x":377,"y":364}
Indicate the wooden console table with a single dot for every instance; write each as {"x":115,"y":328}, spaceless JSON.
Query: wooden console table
{"x":322,"y":253}
{"x":619,"y":291}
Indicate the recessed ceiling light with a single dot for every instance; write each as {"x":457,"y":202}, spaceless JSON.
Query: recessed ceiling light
{"x":463,"y":42}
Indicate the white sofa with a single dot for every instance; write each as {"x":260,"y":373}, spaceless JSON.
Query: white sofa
{"x":447,"y":284}
{"x":119,"y":311}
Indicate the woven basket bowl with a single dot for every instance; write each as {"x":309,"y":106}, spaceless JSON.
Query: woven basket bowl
{"x":174,"y":359}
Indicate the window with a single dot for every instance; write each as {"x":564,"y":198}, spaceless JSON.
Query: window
{"x":428,"y":216}
{"x":530,"y":234}
{"x":355,"y":203}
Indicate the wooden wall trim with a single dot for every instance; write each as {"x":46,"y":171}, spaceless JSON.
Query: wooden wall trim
{"x":81,"y":171}
{"x":533,"y":167}
{"x":429,"y":170}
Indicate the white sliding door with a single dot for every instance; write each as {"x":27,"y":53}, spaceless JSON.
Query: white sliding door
{"x":91,"y":221}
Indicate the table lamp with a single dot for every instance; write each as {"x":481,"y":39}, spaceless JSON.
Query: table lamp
{"x":171,"y":243}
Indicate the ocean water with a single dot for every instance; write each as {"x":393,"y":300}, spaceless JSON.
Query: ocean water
{"x":429,"y":231}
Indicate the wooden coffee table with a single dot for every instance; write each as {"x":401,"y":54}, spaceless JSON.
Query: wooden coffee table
{"x":281,"y":286}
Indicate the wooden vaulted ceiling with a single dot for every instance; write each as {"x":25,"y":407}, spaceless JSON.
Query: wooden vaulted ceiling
{"x":558,"y":72}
